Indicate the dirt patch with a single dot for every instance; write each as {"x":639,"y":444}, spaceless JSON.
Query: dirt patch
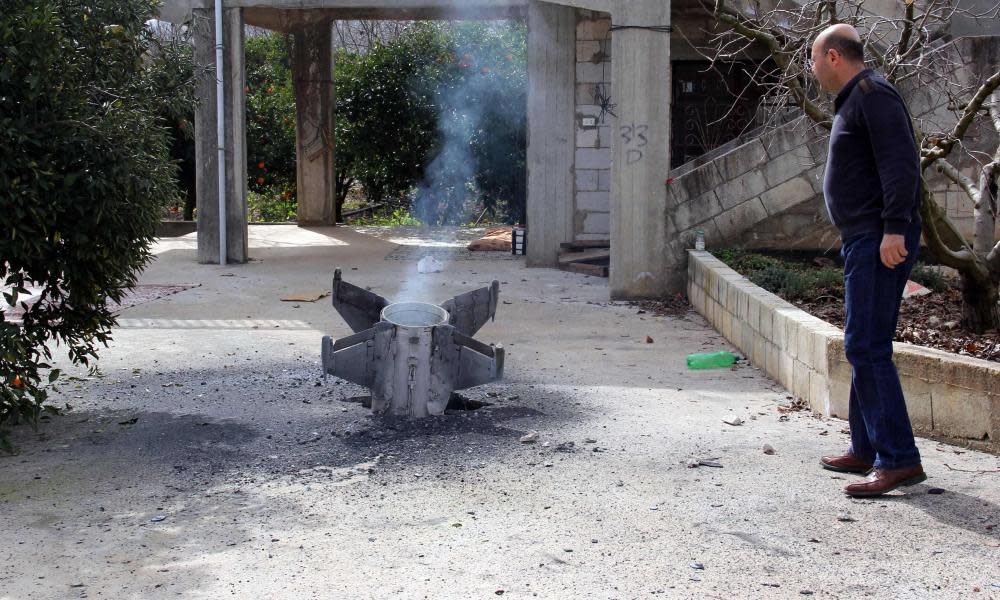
{"x":931,"y":321}
{"x":671,"y":306}
{"x":816,"y":286}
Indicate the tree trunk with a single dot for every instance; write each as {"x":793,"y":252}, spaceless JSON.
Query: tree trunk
{"x":980,"y":310}
{"x":343,"y":187}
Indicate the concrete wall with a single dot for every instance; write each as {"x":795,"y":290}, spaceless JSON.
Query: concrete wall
{"x":592,"y":196}
{"x":763,"y":192}
{"x":551,"y":130}
{"x":946,"y":394}
{"x":642,"y":265}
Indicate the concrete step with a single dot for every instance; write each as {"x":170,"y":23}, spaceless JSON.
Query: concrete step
{"x":593,"y":261}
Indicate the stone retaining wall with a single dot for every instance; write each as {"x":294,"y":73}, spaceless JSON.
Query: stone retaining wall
{"x":775,"y":179}
{"x":947,"y":395}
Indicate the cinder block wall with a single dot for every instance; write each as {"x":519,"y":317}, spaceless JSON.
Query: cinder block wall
{"x":592,"y":218}
{"x":946,"y":395}
{"x":747,"y":190}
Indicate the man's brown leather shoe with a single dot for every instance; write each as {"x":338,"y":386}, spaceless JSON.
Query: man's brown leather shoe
{"x":881,"y":481}
{"x":845,"y":463}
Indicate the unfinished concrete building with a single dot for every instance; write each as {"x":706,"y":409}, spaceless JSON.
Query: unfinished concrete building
{"x":617,"y":132}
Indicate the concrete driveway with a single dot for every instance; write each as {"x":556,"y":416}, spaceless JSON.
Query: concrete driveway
{"x":209,"y":459}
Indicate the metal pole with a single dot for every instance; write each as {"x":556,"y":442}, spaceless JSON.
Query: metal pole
{"x":220,"y":121}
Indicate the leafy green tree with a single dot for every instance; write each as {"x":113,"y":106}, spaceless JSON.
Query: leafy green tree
{"x":84,"y":174}
{"x":270,"y":105}
{"x":384,"y":123}
{"x":441,"y":107}
{"x":484,"y":92}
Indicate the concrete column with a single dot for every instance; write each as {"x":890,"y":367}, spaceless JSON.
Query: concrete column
{"x":312,"y":68}
{"x":551,"y":129}
{"x":206,"y":146}
{"x":640,"y":155}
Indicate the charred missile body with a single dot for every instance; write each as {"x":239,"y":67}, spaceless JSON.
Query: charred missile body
{"x":412,"y":355}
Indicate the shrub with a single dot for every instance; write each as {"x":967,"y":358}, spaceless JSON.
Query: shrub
{"x":391,"y":217}
{"x":929,"y":277}
{"x":790,"y":280}
{"x":84,"y":174}
{"x":271,"y":206}
{"x":384,"y":123}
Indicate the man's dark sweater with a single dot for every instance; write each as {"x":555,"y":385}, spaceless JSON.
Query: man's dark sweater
{"x":872,"y":181}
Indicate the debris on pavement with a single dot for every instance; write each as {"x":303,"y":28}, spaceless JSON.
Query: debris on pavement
{"x":711,"y":360}
{"x":529,"y":438}
{"x":429,"y":264}
{"x":493,"y":240}
{"x":796,"y":405}
{"x":768,"y":449}
{"x":311,"y":296}
{"x":697,"y":566}
{"x":845,"y":517}
{"x":735,"y":421}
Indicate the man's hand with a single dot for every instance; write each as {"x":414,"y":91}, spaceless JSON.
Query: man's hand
{"x":893,"y":250}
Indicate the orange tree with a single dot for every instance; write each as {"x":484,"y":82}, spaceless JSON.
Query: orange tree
{"x":84,"y":174}
{"x":270,"y":122}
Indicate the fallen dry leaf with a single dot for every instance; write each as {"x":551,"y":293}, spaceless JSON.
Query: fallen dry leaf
{"x":305,"y":296}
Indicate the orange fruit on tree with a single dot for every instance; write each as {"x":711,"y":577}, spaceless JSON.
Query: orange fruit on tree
{"x":17,"y":382}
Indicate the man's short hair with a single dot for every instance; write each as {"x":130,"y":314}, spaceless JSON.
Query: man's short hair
{"x":851,"y":49}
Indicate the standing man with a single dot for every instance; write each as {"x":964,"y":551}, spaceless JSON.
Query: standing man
{"x":872,"y":190}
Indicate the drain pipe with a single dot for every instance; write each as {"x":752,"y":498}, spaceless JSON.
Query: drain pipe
{"x":220,"y":123}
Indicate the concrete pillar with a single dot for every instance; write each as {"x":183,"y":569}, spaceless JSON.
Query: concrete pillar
{"x":551,"y":129}
{"x":640,"y":154}
{"x":206,"y":146}
{"x":312,"y":68}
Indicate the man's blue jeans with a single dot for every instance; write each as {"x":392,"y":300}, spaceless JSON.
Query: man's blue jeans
{"x":880,"y":426}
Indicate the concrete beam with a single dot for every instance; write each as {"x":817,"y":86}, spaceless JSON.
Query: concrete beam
{"x":641,"y":154}
{"x":312,"y":71}
{"x":271,"y":14}
{"x":288,"y":20}
{"x":551,"y":130}
{"x":206,"y":146}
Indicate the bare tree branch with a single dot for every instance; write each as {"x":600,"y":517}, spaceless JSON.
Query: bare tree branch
{"x":943,"y":148}
{"x":951,"y":172}
{"x":736,"y":21}
{"x":932,"y":216}
{"x":994,"y":108}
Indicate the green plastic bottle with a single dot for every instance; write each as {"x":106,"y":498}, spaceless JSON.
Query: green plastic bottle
{"x":711,"y":360}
